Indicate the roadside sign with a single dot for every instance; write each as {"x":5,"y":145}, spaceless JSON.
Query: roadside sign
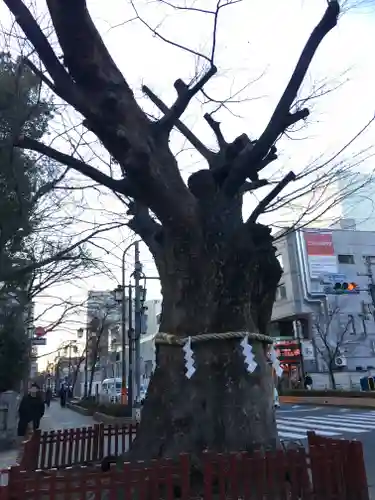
{"x":39,"y":331}
{"x":39,"y":341}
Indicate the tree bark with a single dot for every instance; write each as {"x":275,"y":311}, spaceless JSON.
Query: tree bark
{"x":213,"y":287}
{"x":331,"y":376}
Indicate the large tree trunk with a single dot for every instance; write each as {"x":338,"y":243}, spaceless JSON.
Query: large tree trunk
{"x":222,"y":407}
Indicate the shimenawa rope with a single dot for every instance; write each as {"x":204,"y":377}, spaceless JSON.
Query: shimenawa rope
{"x":169,"y":339}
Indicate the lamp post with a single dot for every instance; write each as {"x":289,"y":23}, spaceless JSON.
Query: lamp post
{"x":120,"y":296}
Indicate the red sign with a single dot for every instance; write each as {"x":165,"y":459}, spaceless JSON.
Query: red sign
{"x":40,"y":331}
{"x":288,"y":352}
{"x":319,"y":243}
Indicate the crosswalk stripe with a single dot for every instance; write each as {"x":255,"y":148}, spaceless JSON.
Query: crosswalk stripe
{"x":322,"y":433}
{"x":309,"y":422}
{"x":343,"y":421}
{"x":291,"y":435}
{"x":354,"y":417}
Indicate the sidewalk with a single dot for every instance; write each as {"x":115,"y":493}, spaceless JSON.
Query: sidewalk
{"x":55,"y":418}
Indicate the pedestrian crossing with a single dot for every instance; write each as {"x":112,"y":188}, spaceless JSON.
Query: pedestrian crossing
{"x":328,"y":425}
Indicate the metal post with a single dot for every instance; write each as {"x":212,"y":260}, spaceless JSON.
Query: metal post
{"x":123,"y":336}
{"x":86,"y":362}
{"x":123,"y":326}
{"x":131,"y":336}
{"x":137,"y":320}
{"x":69,"y":362}
{"x":371,"y":285}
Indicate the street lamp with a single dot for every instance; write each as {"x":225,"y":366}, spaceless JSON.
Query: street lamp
{"x":118,"y":292}
{"x":120,"y":296}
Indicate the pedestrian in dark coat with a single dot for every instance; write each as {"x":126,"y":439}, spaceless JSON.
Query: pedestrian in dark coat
{"x":31,"y":409}
{"x":48,"y":396}
{"x":63,"y":395}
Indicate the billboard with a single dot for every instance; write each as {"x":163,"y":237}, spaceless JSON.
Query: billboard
{"x":320,"y":253}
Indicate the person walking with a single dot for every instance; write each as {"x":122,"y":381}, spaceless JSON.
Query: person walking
{"x":308,"y":382}
{"x":48,"y":396}
{"x":63,"y":395}
{"x":31,"y":410}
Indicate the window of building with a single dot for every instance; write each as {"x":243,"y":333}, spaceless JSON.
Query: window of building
{"x":346,"y":259}
{"x":281,"y":292}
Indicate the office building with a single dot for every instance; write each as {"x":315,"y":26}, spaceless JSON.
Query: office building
{"x":306,"y":310}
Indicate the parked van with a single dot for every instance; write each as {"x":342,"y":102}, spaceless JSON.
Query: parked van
{"x":110,"y":391}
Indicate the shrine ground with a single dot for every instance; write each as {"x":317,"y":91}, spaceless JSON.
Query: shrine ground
{"x":293,"y":422}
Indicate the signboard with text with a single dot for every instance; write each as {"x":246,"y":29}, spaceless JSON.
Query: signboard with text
{"x":39,"y":341}
{"x":320,"y":253}
{"x":288,"y":351}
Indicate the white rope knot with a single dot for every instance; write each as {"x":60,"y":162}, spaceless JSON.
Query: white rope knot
{"x":170,"y":339}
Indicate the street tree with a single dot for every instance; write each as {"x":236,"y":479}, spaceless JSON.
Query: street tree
{"x":104,"y":316}
{"x":332,"y":335}
{"x":30,"y":230}
{"x":218,"y":273}
{"x":14,"y":350}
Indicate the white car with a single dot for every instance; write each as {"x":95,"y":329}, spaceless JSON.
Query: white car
{"x":276,"y":400}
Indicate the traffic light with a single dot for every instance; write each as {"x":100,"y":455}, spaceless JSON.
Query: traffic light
{"x":344,"y":287}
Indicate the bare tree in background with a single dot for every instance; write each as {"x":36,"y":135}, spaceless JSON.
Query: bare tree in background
{"x":218,"y":272}
{"x":98,"y":341}
{"x":332,"y":335}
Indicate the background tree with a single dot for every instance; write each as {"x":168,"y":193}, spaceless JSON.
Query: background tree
{"x":332,"y":336}
{"x":98,"y":337}
{"x":218,"y":272}
{"x":14,"y":346}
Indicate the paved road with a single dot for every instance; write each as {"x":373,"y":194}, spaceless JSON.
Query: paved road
{"x":293,"y":422}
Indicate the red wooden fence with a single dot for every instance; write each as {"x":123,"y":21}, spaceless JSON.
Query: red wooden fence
{"x":64,"y":448}
{"x":291,"y":475}
{"x":344,"y":454}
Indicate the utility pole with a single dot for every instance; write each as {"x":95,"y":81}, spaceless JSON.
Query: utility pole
{"x":371,"y":285}
{"x":137,"y":319}
{"x":131,"y":357}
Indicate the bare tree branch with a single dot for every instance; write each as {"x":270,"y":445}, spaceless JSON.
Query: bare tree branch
{"x":63,"y":83}
{"x":185,"y":95}
{"x":270,"y":197}
{"x":216,"y":129}
{"x":78,"y":165}
{"x":185,"y":131}
{"x":248,"y":162}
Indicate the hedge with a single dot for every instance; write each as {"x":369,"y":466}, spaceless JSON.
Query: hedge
{"x":112,"y":409}
{"x":328,"y":393}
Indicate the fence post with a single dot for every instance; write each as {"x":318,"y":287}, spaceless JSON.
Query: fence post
{"x":98,"y":442}
{"x":358,"y":487}
{"x":30,"y":455}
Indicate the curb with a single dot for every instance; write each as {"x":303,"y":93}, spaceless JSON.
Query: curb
{"x":330,"y":401}
{"x":79,"y":409}
{"x":109,"y":419}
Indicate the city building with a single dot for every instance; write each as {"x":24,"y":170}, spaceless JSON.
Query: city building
{"x":104,"y":334}
{"x":307,"y":312}
{"x":103,"y":324}
{"x":358,"y":206}
{"x":149,"y":328}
